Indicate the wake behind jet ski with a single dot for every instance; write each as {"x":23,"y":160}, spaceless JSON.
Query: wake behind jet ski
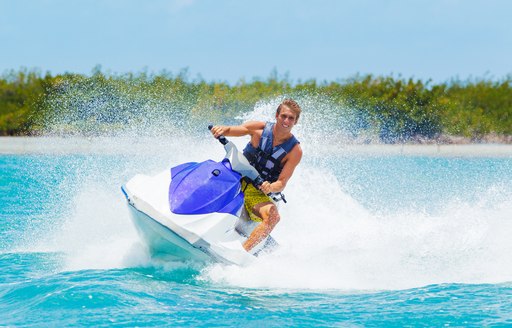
{"x":195,"y":211}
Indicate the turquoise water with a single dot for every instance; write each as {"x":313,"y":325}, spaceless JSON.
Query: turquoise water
{"x":367,"y":240}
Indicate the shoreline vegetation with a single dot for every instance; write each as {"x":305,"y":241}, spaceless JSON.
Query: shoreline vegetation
{"x":367,"y":109}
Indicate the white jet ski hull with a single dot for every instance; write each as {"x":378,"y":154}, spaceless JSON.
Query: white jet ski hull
{"x":213,"y":236}
{"x":162,"y":241}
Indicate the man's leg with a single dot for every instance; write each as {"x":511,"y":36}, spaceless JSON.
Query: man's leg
{"x":270,"y":217}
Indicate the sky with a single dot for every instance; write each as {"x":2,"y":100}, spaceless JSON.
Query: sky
{"x":216,"y":40}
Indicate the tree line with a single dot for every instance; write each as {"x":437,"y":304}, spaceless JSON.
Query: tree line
{"x":393,"y":109}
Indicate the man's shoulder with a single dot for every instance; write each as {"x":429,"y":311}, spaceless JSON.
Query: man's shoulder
{"x":297,"y":149}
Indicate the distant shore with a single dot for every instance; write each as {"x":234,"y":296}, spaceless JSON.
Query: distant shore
{"x":390,"y":109}
{"x":105,"y":145}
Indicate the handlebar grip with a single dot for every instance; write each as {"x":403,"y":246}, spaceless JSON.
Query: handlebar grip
{"x":258,"y":181}
{"x":276,"y":196}
{"x":221,"y":138}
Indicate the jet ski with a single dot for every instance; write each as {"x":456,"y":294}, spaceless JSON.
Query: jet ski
{"x":195,"y":211}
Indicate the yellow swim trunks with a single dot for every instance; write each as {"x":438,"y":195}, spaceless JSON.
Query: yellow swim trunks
{"x":253,"y":197}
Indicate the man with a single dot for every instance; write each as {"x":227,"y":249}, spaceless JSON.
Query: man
{"x":275,"y":153}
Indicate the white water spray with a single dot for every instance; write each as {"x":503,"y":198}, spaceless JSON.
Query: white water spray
{"x":328,"y":239}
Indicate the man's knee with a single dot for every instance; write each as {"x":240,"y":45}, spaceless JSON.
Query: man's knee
{"x":273,"y":215}
{"x":268,"y":213}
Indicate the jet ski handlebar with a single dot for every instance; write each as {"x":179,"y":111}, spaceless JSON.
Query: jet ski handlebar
{"x":255,"y":181}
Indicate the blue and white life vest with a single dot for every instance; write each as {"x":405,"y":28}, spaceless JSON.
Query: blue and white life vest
{"x":267,"y":159}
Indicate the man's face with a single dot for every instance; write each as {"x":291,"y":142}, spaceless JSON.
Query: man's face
{"x":286,"y":118}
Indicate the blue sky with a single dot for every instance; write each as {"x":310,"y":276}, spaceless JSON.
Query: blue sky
{"x":229,"y":40}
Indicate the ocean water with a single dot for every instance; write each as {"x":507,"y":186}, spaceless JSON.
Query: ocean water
{"x":368,"y":238}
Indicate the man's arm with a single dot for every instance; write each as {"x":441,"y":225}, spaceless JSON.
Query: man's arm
{"x":295,"y":156}
{"x":248,"y":128}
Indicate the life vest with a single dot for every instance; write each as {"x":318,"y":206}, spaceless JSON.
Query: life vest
{"x":267,"y":159}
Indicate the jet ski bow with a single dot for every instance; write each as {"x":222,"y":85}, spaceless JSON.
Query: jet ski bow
{"x":194,"y":211}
